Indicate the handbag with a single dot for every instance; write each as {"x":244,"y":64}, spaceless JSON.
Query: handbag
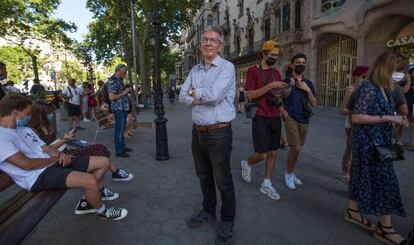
{"x":388,"y":152}
{"x":251,"y":109}
{"x":92,"y":101}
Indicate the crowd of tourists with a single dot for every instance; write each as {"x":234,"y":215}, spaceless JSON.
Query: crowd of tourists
{"x":377,"y":105}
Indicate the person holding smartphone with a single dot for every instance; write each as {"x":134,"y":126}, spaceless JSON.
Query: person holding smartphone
{"x":118,"y":94}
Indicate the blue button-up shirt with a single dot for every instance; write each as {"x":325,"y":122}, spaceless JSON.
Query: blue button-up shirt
{"x":215,"y":87}
{"x":116,"y":85}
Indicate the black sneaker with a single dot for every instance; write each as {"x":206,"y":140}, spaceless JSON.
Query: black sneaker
{"x":84,"y":207}
{"x":108,"y":195}
{"x":114,"y":213}
{"x":123,"y":154}
{"x":224,"y":233}
{"x":200,"y":219}
{"x":80,"y":128}
{"x":127,"y":149}
{"x":121,"y":175}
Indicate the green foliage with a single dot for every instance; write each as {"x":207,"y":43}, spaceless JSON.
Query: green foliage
{"x":23,"y":21}
{"x":18,"y":63}
{"x":71,"y":69}
{"x":111,"y":33}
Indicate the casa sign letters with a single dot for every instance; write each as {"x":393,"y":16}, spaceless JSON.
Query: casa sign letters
{"x":400,"y":41}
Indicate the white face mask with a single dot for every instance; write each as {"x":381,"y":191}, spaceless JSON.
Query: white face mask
{"x":398,"y":76}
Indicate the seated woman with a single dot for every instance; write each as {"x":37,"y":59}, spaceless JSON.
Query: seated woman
{"x":39,"y":122}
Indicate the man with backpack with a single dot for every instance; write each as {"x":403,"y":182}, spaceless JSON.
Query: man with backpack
{"x":72,"y":94}
{"x":118,"y":96}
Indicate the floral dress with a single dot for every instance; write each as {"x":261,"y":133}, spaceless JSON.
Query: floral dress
{"x":374,"y":185}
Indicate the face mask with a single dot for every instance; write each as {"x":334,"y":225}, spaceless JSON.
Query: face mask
{"x":50,"y":117}
{"x":270,"y":61}
{"x":23,"y":122}
{"x":299,"y":69}
{"x":398,"y":76}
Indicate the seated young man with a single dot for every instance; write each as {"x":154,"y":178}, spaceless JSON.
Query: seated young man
{"x":36,"y":167}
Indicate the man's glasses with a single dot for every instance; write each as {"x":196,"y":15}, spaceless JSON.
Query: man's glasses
{"x":206,"y":40}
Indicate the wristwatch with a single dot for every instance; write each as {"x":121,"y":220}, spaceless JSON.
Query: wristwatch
{"x":190,"y":91}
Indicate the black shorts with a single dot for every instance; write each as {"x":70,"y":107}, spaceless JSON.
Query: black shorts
{"x":73,"y":110}
{"x":54,"y":177}
{"x":266,"y":133}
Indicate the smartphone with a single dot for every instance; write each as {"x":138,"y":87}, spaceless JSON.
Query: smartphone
{"x":73,"y":131}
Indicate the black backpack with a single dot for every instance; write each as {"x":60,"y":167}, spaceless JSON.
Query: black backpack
{"x":105,"y":95}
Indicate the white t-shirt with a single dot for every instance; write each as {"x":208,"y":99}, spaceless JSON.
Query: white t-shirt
{"x":26,"y":141}
{"x":75,"y":92}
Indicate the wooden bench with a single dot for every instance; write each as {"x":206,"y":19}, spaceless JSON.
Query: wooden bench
{"x":21,"y":210}
{"x":20,"y":213}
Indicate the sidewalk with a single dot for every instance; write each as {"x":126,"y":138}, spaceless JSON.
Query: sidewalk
{"x":163,"y":194}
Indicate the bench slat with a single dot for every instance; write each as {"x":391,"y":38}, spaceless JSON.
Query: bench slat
{"x":17,"y":226}
{"x":13,"y":204}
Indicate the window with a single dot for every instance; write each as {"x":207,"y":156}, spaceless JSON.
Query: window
{"x":286,"y":17}
{"x":238,"y":48}
{"x":277,"y":22}
{"x":298,"y":14}
{"x":251,"y":40}
{"x":209,"y":20}
{"x":267,"y":29}
{"x":227,"y":18}
{"x":329,"y":5}
{"x":241,"y":7}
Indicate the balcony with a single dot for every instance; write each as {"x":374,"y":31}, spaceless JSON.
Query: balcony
{"x":290,"y":36}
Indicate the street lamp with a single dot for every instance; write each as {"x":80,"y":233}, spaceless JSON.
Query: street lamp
{"x":160,"y":121}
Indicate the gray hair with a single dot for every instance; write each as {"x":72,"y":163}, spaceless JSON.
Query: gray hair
{"x":215,"y":29}
{"x":120,"y":66}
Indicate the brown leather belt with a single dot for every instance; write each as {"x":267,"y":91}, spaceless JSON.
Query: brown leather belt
{"x":211,"y":127}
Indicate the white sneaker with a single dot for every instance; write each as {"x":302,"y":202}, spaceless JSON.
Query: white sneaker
{"x":86,"y":120}
{"x":296,"y":180}
{"x":270,"y":191}
{"x":290,"y":181}
{"x":400,"y":142}
{"x":246,"y":171}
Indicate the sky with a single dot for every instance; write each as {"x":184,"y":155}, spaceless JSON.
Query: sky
{"x":75,"y":11}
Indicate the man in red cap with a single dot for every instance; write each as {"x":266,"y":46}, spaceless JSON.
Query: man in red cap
{"x":358,"y":74}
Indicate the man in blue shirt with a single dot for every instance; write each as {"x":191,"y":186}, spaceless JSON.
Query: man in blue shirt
{"x":209,"y":90}
{"x":118,"y":94}
{"x":296,"y":116}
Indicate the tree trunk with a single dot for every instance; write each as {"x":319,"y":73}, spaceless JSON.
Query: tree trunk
{"x":34,"y":64}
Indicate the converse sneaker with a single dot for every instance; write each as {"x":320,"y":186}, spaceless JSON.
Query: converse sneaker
{"x":200,"y":219}
{"x":108,"y":195}
{"x":290,"y":181}
{"x":121,"y":175}
{"x":296,"y":180}
{"x":246,"y":171}
{"x":84,"y":207}
{"x":270,"y":191}
{"x":114,"y":213}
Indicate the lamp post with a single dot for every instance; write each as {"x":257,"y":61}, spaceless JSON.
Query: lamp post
{"x":160,"y":121}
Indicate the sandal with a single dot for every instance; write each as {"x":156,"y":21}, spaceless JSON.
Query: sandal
{"x":345,"y":178}
{"x":381,"y":235}
{"x":363,"y":222}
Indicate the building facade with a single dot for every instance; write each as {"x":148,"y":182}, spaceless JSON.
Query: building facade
{"x":336,"y":35}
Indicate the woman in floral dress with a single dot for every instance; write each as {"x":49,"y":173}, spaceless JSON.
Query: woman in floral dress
{"x":374,"y":188}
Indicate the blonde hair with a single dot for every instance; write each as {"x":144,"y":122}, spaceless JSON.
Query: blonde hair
{"x":381,"y":70}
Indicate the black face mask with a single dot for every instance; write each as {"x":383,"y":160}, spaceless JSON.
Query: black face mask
{"x":299,"y":69}
{"x":270,"y":61}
